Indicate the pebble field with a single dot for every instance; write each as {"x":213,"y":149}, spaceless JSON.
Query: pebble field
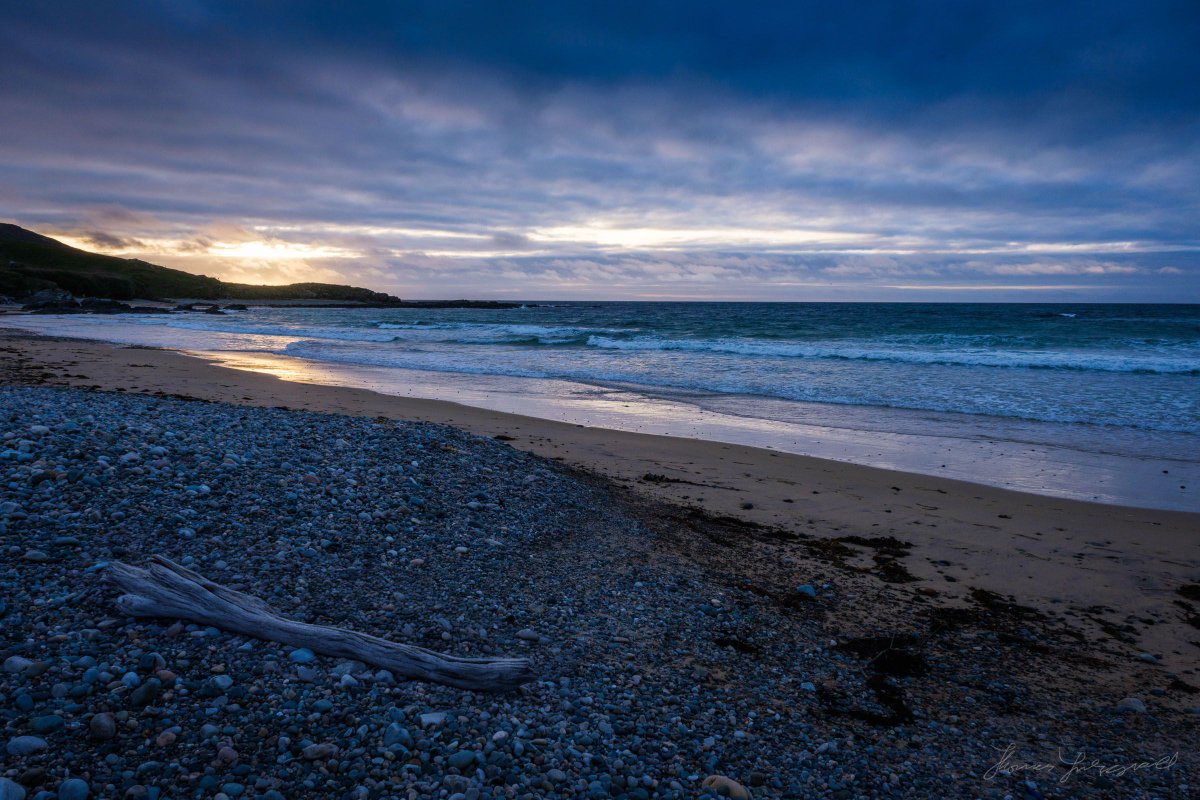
{"x":673,"y":659}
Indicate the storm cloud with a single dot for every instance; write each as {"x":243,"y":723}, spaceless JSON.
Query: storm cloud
{"x":939,"y":150}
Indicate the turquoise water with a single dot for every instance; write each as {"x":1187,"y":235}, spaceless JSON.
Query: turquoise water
{"x":1129,"y":366}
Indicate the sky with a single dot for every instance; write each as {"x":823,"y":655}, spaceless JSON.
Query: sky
{"x":951,"y":150}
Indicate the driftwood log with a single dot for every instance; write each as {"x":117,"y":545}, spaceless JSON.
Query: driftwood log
{"x":165,"y":589}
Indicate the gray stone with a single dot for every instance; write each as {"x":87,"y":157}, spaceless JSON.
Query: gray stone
{"x":15,"y":664}
{"x":318,"y":752}
{"x":301,"y":655}
{"x":103,"y":726}
{"x":11,"y":790}
{"x":73,"y":789}
{"x":25,"y":745}
{"x":1131,"y":705}
{"x":46,"y":724}
{"x":145,"y":694}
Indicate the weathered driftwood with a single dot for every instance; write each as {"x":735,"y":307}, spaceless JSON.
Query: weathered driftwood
{"x":166,"y":589}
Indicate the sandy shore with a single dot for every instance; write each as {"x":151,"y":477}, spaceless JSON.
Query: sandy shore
{"x":1112,"y":572}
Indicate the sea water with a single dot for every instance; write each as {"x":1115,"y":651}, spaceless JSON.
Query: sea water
{"x":1104,"y":379}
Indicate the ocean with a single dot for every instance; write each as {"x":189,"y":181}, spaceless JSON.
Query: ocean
{"x":1102,"y":380}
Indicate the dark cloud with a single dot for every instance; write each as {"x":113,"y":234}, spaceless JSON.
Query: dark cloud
{"x":926,"y":136}
{"x":110,"y":241}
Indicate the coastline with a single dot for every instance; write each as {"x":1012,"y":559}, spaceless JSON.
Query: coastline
{"x":1096,"y":567}
{"x":1120,"y":464}
{"x":846,"y":646}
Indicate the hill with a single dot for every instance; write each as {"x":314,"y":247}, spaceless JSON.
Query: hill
{"x":31,"y":262}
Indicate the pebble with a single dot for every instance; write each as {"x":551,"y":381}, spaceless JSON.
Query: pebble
{"x":73,"y":789}
{"x":102,"y":726}
{"x":25,"y":745}
{"x":318,"y":752}
{"x":1131,"y":705}
{"x":302,"y":656}
{"x":726,"y":787}
{"x":11,"y":790}
{"x":17,"y":664}
{"x":46,"y":724}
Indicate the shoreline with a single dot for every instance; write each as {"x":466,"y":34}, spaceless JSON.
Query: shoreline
{"x":1096,"y":567}
{"x":1122,"y":466}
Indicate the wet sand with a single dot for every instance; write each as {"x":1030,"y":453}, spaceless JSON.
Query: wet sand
{"x":1114,"y":573}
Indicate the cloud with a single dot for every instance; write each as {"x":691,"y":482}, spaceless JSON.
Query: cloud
{"x":539,"y":141}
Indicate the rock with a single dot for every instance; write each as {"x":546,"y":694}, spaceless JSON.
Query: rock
{"x":556,"y":776}
{"x":47,"y":724}
{"x":73,"y":789}
{"x":432,"y":719}
{"x":726,"y":787}
{"x":462,"y":759}
{"x":1131,"y":705}
{"x":807,"y":590}
{"x":222,"y":682}
{"x":319,"y":752}
{"x":15,"y":664}
{"x":165,"y":739}
{"x":301,"y":656}
{"x":103,"y":727}
{"x":397,"y":734}
{"x":10,"y":790}
{"x":528,"y":635}
{"x":145,"y":694}
{"x":25,"y":745}
{"x":36,"y":556}
{"x":1148,"y":658}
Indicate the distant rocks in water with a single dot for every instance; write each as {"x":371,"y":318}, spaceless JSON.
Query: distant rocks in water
{"x":58,"y":302}
{"x":203,"y":308}
{"x":63,"y":303}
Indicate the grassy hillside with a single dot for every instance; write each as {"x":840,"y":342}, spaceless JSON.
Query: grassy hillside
{"x":30,"y":262}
